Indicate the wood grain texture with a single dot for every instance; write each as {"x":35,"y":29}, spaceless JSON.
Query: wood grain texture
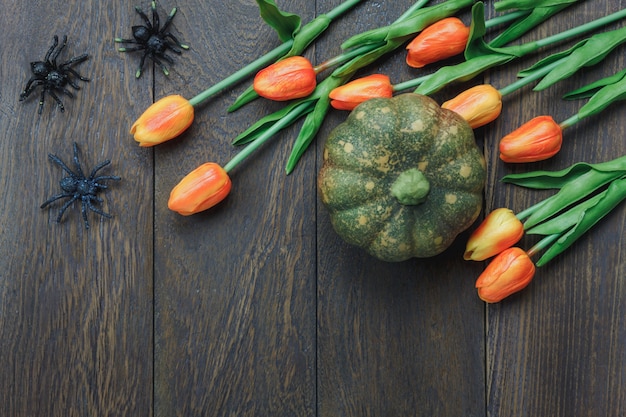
{"x":75,"y":305}
{"x":235,"y":287}
{"x":256,"y":307}
{"x":552,"y":349}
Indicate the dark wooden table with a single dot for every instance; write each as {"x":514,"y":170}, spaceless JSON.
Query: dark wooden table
{"x":256,"y":307}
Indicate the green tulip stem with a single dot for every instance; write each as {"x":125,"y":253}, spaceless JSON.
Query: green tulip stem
{"x":345,"y":57}
{"x":587,"y":27}
{"x":531,"y":77}
{"x":569,"y":122}
{"x":263,"y":61}
{"x":292,"y":116}
{"x":242,"y":73}
{"x":542,"y":244}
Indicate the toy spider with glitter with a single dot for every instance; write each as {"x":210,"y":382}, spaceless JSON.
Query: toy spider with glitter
{"x":52,"y":76}
{"x":153,"y":40}
{"x":78,"y":187}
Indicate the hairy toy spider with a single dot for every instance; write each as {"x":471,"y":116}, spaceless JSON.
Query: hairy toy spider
{"x":153,"y":40}
{"x":52,"y":76}
{"x":78,"y":187}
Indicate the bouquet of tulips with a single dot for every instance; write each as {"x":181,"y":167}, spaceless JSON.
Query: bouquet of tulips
{"x":430,"y":34}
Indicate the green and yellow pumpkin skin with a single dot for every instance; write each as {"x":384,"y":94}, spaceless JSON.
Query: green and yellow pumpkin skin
{"x":402,"y":177}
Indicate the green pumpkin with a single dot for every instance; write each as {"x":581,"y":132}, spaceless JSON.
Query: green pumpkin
{"x":402,"y":177}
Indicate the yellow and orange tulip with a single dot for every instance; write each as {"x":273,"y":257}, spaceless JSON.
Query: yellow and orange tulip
{"x":200,"y":190}
{"x":509,"y":272}
{"x":288,"y":79}
{"x":500,"y":230}
{"x":443,"y":39}
{"x":163,"y":120}
{"x":478,"y":105}
{"x":348,"y":96}
{"x":538,"y":139}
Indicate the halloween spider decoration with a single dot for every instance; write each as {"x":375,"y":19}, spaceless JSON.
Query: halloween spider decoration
{"x":78,"y":187}
{"x":153,"y":40}
{"x":52,"y":76}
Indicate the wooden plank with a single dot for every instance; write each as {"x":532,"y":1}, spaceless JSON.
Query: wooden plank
{"x":394,"y":339}
{"x":75,"y":304}
{"x":234,"y":286}
{"x":554,"y":349}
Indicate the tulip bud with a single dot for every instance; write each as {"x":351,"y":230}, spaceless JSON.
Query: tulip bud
{"x":443,"y":39}
{"x":201,"y":189}
{"x":508,"y":273}
{"x":290,"y":78}
{"x":163,"y":120}
{"x":348,"y":96}
{"x":478,"y":105}
{"x":538,"y":139}
{"x":499,"y":231}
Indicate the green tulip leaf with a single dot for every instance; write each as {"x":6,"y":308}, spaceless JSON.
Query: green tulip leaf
{"x":590,"y":89}
{"x":529,"y":4}
{"x":408,"y":25}
{"x":584,"y":54}
{"x":537,"y":16}
{"x":543,"y":180}
{"x":614,"y":195}
{"x":263,"y":124}
{"x":570,"y":193}
{"x":284,"y":23}
{"x":603,"y":98}
{"x":566,"y":220}
{"x":314,"y":119}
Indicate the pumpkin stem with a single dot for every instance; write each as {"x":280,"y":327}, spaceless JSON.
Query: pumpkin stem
{"x":411,"y":187}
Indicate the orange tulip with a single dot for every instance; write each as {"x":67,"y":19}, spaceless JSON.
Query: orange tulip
{"x":536,"y":140}
{"x":443,"y":39}
{"x":201,"y":189}
{"x":348,"y":96}
{"x":290,"y":78}
{"x":508,"y":273}
{"x":478,"y":105}
{"x":163,"y":120}
{"x":499,"y":231}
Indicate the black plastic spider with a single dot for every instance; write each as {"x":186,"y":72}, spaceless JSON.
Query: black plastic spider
{"x":153,"y":40}
{"x":52,"y":76}
{"x":78,"y":187}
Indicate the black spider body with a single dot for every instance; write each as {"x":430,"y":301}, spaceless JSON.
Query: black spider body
{"x":53,"y":77}
{"x":153,"y":40}
{"x":78,"y":187}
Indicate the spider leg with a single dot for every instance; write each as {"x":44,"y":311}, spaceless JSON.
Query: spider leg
{"x":73,"y":84}
{"x":77,"y":75}
{"x":105,"y":177}
{"x":42,"y":98}
{"x":141,"y":62}
{"x":30,"y":86}
{"x":73,"y":61}
{"x":124,"y":40}
{"x":57,"y":99}
{"x":169,"y":19}
{"x":52,"y":48}
{"x":155,"y":17}
{"x":65,"y":206}
{"x":175,"y":39}
{"x":98,"y":168}
{"x":96,"y":209}
{"x":144,"y":17}
{"x":58,"y":51}
{"x":79,"y":169}
{"x":132,"y":48}
{"x":160,"y":64}
{"x":83,"y":210}
{"x":58,"y":161}
{"x":55,"y":198}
